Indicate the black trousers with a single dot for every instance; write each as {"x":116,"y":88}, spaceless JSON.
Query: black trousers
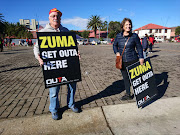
{"x":125,"y":75}
{"x":150,"y":47}
{"x":1,"y":47}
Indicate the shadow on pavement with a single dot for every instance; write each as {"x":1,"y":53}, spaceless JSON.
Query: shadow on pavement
{"x":18,"y":68}
{"x":162,"y":84}
{"x":14,"y":51}
{"x":156,"y":51}
{"x":153,"y":56}
{"x":116,"y":88}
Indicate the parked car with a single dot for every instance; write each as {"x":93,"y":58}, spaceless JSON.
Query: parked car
{"x":95,"y":42}
{"x":158,"y":39}
{"x":104,"y":42}
{"x":86,"y":42}
{"x":80,"y":41}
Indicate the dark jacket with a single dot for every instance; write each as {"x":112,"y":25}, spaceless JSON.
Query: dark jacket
{"x":133,"y":44}
{"x":145,"y":43}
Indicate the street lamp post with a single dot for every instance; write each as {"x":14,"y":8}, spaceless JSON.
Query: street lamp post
{"x":107,"y":30}
{"x":99,"y":32}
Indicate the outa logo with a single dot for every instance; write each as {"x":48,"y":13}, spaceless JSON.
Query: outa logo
{"x":56,"y":80}
{"x":140,"y":102}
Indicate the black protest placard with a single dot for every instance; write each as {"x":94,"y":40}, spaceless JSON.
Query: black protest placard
{"x":143,"y":81}
{"x":59,"y":52}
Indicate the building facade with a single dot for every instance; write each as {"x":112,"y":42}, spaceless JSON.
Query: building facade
{"x":159,"y":32}
{"x":33,"y":25}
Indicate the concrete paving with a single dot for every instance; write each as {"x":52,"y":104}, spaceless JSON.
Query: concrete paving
{"x":162,"y":117}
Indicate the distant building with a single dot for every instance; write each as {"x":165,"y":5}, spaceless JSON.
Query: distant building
{"x":102,"y":34}
{"x":173,"y":29}
{"x":31,"y":26}
{"x":153,"y":29}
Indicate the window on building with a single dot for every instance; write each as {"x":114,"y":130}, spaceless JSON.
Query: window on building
{"x":165,"y":30}
{"x":150,"y":31}
{"x":156,"y":31}
{"x":159,"y":30}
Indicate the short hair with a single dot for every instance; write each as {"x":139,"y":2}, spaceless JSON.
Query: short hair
{"x":146,"y":35}
{"x":124,"y":21}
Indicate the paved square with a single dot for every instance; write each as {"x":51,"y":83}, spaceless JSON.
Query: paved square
{"x":22,"y":91}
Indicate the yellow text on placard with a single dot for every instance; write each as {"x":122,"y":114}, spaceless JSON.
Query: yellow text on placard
{"x":56,"y":41}
{"x":139,"y":70}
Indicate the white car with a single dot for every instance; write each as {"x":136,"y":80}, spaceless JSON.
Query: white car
{"x":93,"y":43}
{"x":158,"y":39}
{"x":104,"y":42}
{"x":80,"y":41}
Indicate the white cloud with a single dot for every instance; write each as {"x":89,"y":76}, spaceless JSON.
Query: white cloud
{"x":43,"y":23}
{"x":76,"y":21}
{"x":132,"y":14}
{"x":127,"y":12}
{"x":120,"y":9}
{"x":104,"y":19}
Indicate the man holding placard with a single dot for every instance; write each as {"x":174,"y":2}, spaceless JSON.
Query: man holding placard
{"x":55,"y":26}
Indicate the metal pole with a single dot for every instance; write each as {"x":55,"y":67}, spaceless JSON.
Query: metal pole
{"x":99,"y":32}
{"x":107,"y":32}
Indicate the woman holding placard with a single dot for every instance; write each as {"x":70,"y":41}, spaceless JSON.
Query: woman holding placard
{"x":132,"y":53}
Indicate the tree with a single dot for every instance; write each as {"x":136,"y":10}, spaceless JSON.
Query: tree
{"x":114,"y":28}
{"x":94,"y":23}
{"x":104,"y":26}
{"x":17,"y":30}
{"x":29,"y":35}
{"x":2,"y":26}
{"x":13,"y":29}
{"x":112,"y":34}
{"x":177,"y":31}
{"x":85,"y":34}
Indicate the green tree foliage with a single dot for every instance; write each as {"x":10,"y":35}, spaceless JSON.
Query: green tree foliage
{"x":112,"y":34}
{"x":77,"y":32}
{"x":11,"y":29}
{"x":1,"y":18}
{"x":17,"y":30}
{"x":177,"y":31}
{"x":85,"y":34}
{"x":104,"y":26}
{"x":2,"y":26}
{"x":114,"y":28}
{"x":94,"y":23}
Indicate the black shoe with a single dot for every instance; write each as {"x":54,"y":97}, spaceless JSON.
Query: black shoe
{"x":127,"y":97}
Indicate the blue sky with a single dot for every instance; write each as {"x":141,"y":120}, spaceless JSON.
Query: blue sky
{"x":77,"y":12}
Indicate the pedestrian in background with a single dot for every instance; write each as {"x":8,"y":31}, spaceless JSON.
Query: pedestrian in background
{"x":9,"y":40}
{"x":27,"y":42}
{"x":20,"y":43}
{"x":30,"y":42}
{"x":54,"y":107}
{"x":145,"y":45}
{"x":151,"y":40}
{"x":130,"y":55}
{"x":1,"y":44}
